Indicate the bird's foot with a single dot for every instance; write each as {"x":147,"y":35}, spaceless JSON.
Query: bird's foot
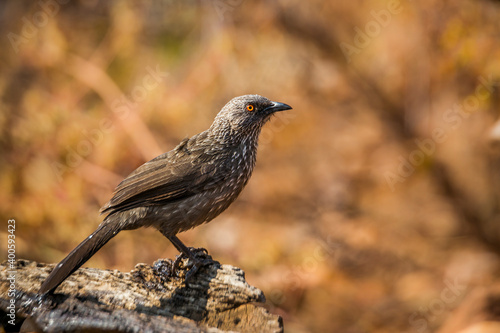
{"x":199,"y":263}
{"x":194,"y":261}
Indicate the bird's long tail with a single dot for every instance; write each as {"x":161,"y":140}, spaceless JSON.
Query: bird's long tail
{"x":79,"y":256}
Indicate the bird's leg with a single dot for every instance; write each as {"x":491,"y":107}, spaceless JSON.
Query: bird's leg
{"x":183,"y":249}
{"x":197,"y":263}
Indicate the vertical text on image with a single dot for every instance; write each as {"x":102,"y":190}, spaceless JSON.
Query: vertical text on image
{"x":11,"y":272}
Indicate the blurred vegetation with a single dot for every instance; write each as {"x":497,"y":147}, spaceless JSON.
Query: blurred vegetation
{"x":373,"y":196}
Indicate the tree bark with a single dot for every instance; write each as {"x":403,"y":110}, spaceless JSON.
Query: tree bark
{"x":148,"y":299}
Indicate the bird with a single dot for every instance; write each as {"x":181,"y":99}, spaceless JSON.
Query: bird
{"x":182,"y":188}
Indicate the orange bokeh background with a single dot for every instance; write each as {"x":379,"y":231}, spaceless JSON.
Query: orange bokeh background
{"x":374,"y":198}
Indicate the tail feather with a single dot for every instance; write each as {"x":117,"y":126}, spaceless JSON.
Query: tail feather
{"x":79,"y":256}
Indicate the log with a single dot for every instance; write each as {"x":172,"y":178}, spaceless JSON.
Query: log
{"x":148,"y":299}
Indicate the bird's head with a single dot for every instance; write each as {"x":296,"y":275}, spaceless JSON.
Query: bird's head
{"x":245,"y":115}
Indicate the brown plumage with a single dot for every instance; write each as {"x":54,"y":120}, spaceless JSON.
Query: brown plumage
{"x":183,"y":188}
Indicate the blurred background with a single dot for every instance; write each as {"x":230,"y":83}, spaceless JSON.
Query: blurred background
{"x":374,"y":206}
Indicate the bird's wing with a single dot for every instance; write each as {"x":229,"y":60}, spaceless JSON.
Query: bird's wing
{"x":185,"y":171}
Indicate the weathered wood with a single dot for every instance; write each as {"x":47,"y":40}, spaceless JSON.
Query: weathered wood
{"x":148,"y":299}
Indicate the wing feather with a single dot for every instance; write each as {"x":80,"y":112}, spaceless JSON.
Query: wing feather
{"x":185,"y":171}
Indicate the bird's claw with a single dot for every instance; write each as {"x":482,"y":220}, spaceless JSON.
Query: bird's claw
{"x":196,"y":266}
{"x":194,"y":262}
{"x":176,"y":264}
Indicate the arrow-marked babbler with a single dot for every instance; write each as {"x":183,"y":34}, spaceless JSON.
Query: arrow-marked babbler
{"x":183,"y":188}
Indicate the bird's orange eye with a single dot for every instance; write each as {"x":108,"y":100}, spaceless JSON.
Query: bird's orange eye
{"x":250,"y":107}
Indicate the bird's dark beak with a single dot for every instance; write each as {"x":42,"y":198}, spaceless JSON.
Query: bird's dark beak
{"x":275,"y":107}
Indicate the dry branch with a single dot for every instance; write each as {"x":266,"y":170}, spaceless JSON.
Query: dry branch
{"x":148,"y":299}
